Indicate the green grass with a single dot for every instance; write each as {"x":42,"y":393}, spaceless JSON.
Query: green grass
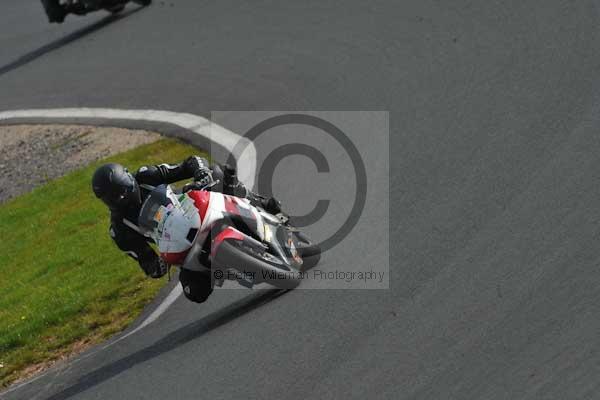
{"x":63,"y":282}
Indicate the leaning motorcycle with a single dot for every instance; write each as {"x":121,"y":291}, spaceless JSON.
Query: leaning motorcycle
{"x":227,"y":237}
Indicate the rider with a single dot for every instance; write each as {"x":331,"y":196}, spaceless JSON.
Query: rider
{"x":124,"y":193}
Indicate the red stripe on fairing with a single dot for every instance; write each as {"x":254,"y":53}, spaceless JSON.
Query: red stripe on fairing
{"x":174,"y":258}
{"x":201,"y":199}
{"x":236,"y":206}
{"x":231,"y":204}
{"x":227,"y":233}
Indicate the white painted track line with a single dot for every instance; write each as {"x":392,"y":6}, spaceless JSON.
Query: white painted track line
{"x":246,"y":160}
{"x":246,"y":164}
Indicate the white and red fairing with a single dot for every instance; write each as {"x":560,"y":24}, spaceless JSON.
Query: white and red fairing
{"x":184,"y":226}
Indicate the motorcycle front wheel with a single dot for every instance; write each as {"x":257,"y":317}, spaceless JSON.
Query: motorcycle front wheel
{"x":309,"y":251}
{"x":262,"y":265}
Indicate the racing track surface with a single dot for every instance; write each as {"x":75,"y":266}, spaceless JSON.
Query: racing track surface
{"x":494,"y":188}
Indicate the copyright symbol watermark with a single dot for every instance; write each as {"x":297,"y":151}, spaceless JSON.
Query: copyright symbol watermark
{"x":320,"y":160}
{"x":330,"y":170}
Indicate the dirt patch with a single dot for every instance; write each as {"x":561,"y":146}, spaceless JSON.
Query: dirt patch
{"x":30,"y":155}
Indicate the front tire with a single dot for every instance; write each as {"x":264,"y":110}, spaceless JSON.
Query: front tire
{"x":263,"y":270}
{"x":309,"y":251}
{"x":310,"y":261}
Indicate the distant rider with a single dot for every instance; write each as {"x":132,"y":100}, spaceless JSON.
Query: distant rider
{"x":57,"y":11}
{"x":124,"y":194}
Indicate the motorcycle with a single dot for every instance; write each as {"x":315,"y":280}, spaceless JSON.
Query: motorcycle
{"x":226,"y":236}
{"x":83,"y":7}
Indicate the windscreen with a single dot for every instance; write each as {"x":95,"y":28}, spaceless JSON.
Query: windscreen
{"x":154,"y":205}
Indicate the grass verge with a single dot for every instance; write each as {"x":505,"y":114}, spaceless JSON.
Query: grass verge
{"x":64,"y":285}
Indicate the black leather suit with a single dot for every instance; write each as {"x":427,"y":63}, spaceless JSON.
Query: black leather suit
{"x":196,"y":286}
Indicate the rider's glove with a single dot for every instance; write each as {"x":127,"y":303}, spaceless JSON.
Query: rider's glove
{"x":203,"y":177}
{"x":198,"y":166}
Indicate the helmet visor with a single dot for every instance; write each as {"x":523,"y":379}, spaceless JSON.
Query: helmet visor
{"x":124,"y":192}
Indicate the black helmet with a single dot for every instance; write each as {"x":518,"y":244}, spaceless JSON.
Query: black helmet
{"x":116,"y":187}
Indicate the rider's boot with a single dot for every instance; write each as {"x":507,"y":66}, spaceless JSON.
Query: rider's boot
{"x":231,"y":184}
{"x":272,"y":205}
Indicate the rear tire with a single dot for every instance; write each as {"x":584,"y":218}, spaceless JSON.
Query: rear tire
{"x":233,"y":256}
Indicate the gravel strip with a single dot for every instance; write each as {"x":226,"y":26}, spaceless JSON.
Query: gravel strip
{"x":30,"y":155}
